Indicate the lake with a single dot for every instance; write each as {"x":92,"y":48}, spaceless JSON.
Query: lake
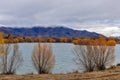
{"x":63,"y":54}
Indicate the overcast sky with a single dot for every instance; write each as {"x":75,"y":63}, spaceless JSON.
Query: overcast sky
{"x":72,"y":13}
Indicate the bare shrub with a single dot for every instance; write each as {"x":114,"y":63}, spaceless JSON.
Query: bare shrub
{"x":11,"y":59}
{"x":103,"y":56}
{"x":94,"y":57}
{"x":43,"y":58}
{"x":84,"y":57}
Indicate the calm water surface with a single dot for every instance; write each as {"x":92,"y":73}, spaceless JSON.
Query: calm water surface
{"x":63,"y":54}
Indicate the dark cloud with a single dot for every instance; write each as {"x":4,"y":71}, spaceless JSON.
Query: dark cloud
{"x":57,"y":12}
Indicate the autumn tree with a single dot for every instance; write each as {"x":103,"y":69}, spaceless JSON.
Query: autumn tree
{"x":51,"y":40}
{"x":20,"y":38}
{"x":1,"y":43}
{"x":63,"y":39}
{"x":1,"y":38}
{"x":29,"y":39}
{"x":15,"y":40}
{"x":111,"y":42}
{"x":76,"y":40}
{"x":42,"y":58}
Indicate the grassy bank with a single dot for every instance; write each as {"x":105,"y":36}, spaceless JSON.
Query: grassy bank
{"x":110,"y":74}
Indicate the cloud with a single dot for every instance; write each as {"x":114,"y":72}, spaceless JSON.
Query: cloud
{"x":57,"y":12}
{"x":105,"y":29}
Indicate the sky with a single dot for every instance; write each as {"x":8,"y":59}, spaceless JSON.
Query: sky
{"x":102,"y":16}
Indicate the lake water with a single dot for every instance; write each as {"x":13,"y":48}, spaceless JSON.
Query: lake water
{"x":63,"y":54}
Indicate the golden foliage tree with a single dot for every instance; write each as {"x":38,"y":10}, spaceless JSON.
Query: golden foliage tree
{"x":111,"y":42}
{"x":76,"y":41}
{"x":1,"y":43}
{"x":15,"y":40}
{"x":42,"y":58}
{"x":20,"y":38}
{"x":51,"y":40}
{"x":29,"y":39}
{"x":1,"y":38}
{"x":63,"y":39}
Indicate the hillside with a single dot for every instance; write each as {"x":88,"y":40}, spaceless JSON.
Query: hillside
{"x":58,"y":31}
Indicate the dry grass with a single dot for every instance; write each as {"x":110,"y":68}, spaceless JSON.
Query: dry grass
{"x":110,"y":74}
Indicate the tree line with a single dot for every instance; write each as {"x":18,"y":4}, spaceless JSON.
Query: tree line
{"x":75,"y":40}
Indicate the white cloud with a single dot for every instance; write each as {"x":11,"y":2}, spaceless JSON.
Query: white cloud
{"x":105,"y":29}
{"x":57,"y":12}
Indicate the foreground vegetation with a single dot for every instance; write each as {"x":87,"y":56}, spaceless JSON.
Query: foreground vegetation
{"x":109,"y":74}
{"x":43,"y":59}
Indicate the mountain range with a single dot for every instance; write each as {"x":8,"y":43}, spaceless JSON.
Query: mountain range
{"x":57,"y":31}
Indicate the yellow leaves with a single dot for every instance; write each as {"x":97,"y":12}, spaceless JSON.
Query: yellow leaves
{"x":87,"y":41}
{"x":51,"y":40}
{"x":98,"y":41}
{"x":29,"y":39}
{"x":1,"y":43}
{"x":63,"y":39}
{"x":15,"y":40}
{"x":76,"y":41}
{"x":102,"y":41}
{"x":111,"y":42}
{"x":1,"y":38}
{"x":20,"y":38}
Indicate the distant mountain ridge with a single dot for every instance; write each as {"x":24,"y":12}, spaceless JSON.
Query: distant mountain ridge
{"x":58,"y":31}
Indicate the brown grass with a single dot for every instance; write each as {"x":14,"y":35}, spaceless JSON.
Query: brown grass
{"x":110,"y":74}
